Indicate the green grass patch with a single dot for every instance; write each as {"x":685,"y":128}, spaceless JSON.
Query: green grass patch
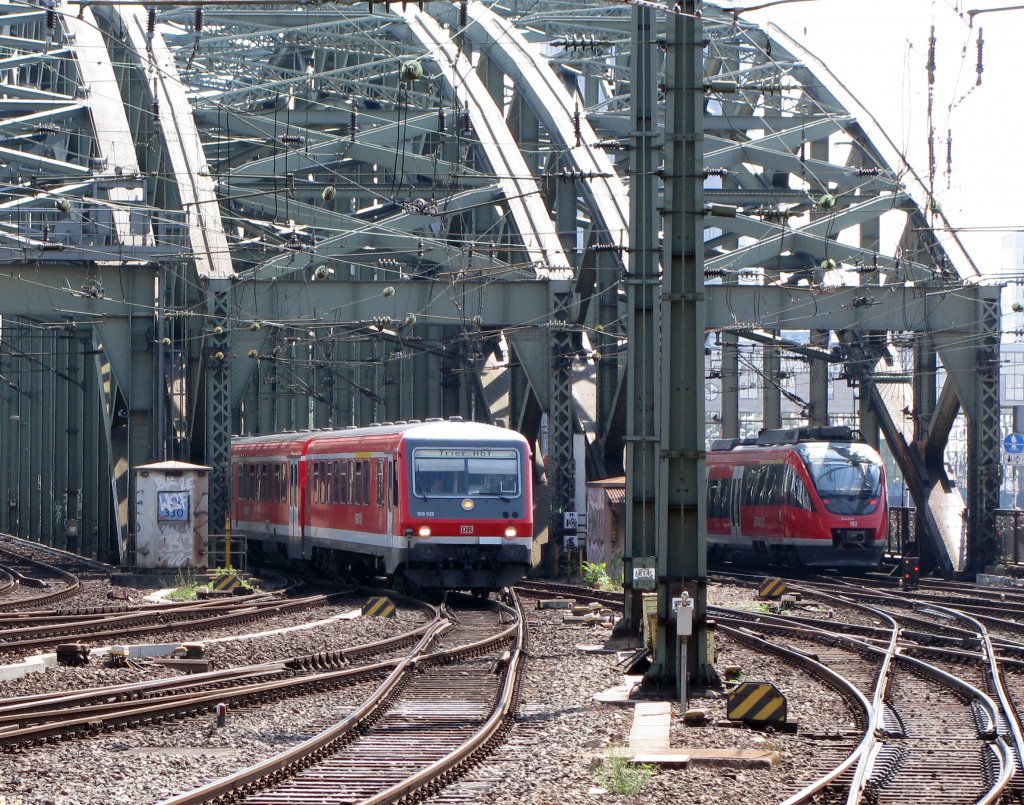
{"x":620,"y":776}
{"x":187,"y":589}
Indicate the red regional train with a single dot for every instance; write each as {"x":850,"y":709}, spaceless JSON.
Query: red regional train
{"x":808,"y":496}
{"x":439,"y":504}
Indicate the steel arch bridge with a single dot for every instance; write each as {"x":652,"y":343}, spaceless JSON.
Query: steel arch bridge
{"x":248,"y":217}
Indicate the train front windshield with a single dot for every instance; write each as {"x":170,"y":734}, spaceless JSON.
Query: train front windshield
{"x":848,"y":477}
{"x":452,"y":472}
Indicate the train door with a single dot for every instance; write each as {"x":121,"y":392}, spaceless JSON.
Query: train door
{"x":734,"y":506}
{"x":294,"y":514}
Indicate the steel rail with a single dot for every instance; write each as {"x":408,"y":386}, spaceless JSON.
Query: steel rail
{"x":321,"y":744}
{"x":105,"y":717}
{"x":74,"y":584}
{"x":838,"y":681}
{"x":1005,"y":704}
{"x":989,"y":734}
{"x":489,"y":731}
{"x":105,"y":699}
{"x":244,"y":614}
{"x":866,"y":751}
{"x":324,"y":744}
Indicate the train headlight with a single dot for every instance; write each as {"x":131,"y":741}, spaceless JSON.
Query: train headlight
{"x":467,"y":504}
{"x":510,"y":531}
{"x":424,"y":531}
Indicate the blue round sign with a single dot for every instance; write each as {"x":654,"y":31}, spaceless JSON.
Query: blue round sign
{"x":1014,"y":443}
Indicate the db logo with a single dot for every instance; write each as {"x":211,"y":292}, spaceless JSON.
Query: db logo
{"x":466,"y":529}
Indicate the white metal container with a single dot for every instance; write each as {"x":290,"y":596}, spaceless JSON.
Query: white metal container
{"x":172,"y":516}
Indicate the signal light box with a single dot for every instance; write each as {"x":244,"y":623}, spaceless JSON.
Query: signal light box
{"x":910,"y":572}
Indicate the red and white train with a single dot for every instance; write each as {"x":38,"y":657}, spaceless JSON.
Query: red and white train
{"x":808,"y":496}
{"x":440,"y":503}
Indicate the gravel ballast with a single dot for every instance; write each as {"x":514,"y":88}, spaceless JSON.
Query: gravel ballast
{"x":557,"y":753}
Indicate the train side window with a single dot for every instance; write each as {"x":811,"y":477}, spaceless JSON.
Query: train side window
{"x":718,"y":497}
{"x":796,"y":491}
{"x":394,"y":483}
{"x":251,"y":487}
{"x":380,"y":482}
{"x":366,"y":482}
{"x":275,"y":486}
{"x":329,"y":482}
{"x":773,"y":485}
{"x":357,"y":484}
{"x":751,"y":486}
{"x":344,"y":481}
{"x":714,"y":490}
{"x":284,"y":484}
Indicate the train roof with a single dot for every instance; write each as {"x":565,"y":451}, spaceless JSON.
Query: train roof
{"x":426,"y":430}
{"x":779,"y":437}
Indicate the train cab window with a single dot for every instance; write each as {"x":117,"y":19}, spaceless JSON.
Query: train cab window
{"x":487,"y":473}
{"x":848,"y":477}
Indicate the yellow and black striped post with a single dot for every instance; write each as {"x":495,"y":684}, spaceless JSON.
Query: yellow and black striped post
{"x":226,"y":582}
{"x":772,"y":587}
{"x":379,"y":607}
{"x":756,"y":703}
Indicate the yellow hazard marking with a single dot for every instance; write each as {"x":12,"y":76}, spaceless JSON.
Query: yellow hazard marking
{"x":226,"y":582}
{"x":771,"y":588}
{"x":379,"y":607}
{"x":756,"y":702}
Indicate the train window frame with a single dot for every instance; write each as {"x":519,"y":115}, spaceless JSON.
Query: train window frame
{"x":357,"y":483}
{"x":366,"y":482}
{"x":345,"y":488}
{"x":380,"y":482}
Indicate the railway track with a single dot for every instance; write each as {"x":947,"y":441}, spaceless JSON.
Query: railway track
{"x":447,"y":700}
{"x":923,"y":683}
{"x":32,"y":720}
